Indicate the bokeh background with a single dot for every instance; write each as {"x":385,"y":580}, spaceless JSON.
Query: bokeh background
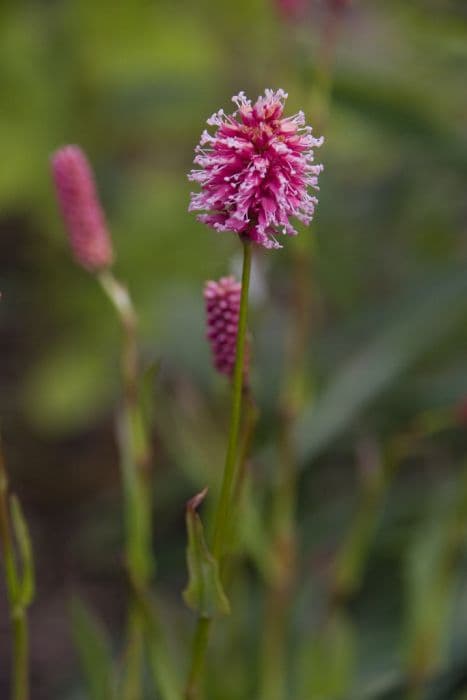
{"x":382,"y":441}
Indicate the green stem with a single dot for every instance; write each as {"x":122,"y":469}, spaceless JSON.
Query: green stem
{"x":20,"y":656}
{"x":20,"y":690}
{"x":223,"y":511}
{"x":200,"y":643}
{"x":132,"y":683}
{"x":224,"y":503}
{"x":134,"y":460}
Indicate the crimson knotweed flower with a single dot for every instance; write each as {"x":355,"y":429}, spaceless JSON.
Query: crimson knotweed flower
{"x":256,"y":170}
{"x":81,"y":210}
{"x":222,"y":300}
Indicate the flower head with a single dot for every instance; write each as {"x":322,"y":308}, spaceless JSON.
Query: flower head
{"x":256,"y":170}
{"x":222,"y":300}
{"x":81,"y":210}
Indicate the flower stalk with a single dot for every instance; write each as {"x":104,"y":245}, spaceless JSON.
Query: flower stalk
{"x":223,"y":507}
{"x":134,"y":463}
{"x":224,"y":510}
{"x":91,"y":245}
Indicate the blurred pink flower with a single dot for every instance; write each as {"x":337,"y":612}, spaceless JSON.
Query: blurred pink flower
{"x":291,"y":9}
{"x":222,"y":300}
{"x":339,"y":4}
{"x":81,"y":210}
{"x":256,"y":170}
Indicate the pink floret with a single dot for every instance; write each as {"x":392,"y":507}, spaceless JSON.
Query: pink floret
{"x":256,"y":170}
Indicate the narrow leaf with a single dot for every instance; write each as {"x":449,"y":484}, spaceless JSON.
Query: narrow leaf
{"x":204,"y":592}
{"x":94,"y":652}
{"x":27,"y":581}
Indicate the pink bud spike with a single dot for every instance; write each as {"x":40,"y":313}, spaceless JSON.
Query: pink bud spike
{"x":222,"y":302}
{"x":81,"y":210}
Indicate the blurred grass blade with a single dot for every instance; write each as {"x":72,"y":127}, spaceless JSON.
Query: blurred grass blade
{"x":404,"y":112}
{"x":328,"y":660}
{"x":146,"y":391}
{"x":23,"y":539}
{"x":162,"y":669}
{"x":204,"y":592}
{"x":422,"y":323}
{"x":433,"y":570}
{"x":253,"y":535}
{"x":93,"y":651}
{"x":164,"y":673}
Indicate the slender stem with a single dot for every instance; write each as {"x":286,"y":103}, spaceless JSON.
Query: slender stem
{"x":224,"y":503}
{"x":20,"y":689}
{"x":143,"y":623}
{"x":132,"y":684}
{"x":200,"y":643}
{"x":223,"y":511}
{"x":20,"y":655}
{"x":134,"y":461}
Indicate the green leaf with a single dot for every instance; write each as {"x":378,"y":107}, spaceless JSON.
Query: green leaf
{"x":204,"y":592}
{"x":27,"y":581}
{"x":94,"y":652}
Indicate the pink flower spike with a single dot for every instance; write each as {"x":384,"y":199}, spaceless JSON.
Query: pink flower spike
{"x":256,"y":170}
{"x":222,"y":301}
{"x":81,"y":210}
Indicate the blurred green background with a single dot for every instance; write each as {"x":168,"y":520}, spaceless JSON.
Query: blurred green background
{"x":133,"y":83}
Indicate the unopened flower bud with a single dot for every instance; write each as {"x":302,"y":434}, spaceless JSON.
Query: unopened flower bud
{"x":81,"y":210}
{"x":222,"y":300}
